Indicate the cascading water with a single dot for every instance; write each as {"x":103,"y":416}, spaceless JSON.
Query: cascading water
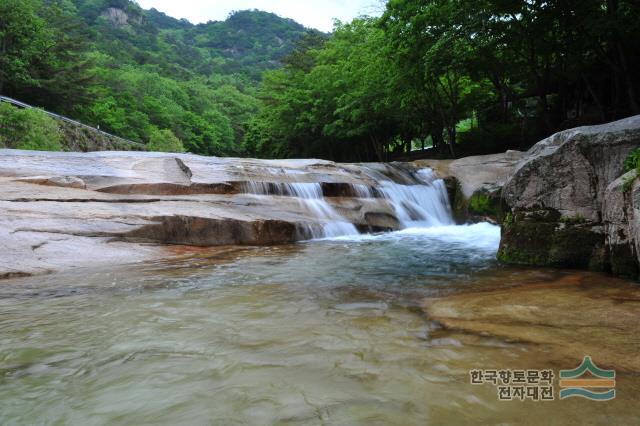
{"x":311,"y":197}
{"x":421,"y":201}
{"x":422,"y":205}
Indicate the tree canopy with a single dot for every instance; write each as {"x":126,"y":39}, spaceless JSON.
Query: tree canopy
{"x":135,"y":73}
{"x":453,"y":77}
{"x":460,"y":76}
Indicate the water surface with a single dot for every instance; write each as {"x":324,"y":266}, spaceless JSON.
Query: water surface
{"x":323,"y":332}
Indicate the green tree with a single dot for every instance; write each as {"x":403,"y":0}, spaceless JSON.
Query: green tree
{"x":164,"y":141}
{"x":29,"y":129}
{"x":23,"y":38}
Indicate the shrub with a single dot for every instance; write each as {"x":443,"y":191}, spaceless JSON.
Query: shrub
{"x":164,"y":141}
{"x":28,"y":129}
{"x":632,"y":161}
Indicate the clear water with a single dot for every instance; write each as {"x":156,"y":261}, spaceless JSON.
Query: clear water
{"x":324,"y":332}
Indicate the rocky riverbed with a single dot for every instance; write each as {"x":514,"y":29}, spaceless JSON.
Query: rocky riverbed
{"x":64,"y":210}
{"x":563,"y":203}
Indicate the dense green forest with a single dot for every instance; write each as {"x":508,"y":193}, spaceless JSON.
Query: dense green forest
{"x":457,"y":77}
{"x":138,"y":73}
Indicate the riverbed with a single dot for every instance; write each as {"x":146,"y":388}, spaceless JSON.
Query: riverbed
{"x":322,"y":332}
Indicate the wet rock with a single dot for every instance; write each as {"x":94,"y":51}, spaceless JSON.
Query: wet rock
{"x":381,"y":221}
{"x":206,"y":232}
{"x":572,"y":317}
{"x":542,"y":237}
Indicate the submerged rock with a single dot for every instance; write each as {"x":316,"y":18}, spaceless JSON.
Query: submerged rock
{"x":572,"y":316}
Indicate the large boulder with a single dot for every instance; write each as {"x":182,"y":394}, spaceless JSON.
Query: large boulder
{"x":564,"y":200}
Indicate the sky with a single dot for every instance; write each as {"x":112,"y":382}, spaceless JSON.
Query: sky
{"x":317,"y":14}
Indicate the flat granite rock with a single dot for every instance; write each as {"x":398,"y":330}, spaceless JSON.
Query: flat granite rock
{"x":63,"y":210}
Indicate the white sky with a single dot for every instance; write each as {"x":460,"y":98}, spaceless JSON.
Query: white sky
{"x":310,"y":13}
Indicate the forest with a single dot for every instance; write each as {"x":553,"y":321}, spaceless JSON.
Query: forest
{"x":440,"y":78}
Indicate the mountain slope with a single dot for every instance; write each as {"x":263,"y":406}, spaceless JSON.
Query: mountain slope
{"x":248,"y":42}
{"x":140,"y":74}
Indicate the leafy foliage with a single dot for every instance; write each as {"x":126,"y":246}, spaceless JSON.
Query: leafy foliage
{"x":111,"y":64}
{"x":164,"y":141}
{"x":457,"y":76}
{"x":28,"y":129}
{"x":632,"y":161}
{"x":23,"y":36}
{"x":462,"y":76}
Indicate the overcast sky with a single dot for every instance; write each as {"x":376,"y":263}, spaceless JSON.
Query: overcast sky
{"x":310,"y":13}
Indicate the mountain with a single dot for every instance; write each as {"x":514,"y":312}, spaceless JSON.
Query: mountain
{"x":248,"y":42}
{"x":140,"y":74}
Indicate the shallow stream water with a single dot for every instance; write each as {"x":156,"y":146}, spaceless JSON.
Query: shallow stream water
{"x":323,"y":332}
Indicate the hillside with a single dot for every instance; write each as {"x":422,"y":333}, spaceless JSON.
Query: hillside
{"x":248,"y":42}
{"x":141,"y":74}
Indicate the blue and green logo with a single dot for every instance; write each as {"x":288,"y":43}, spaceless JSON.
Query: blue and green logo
{"x":572,"y":382}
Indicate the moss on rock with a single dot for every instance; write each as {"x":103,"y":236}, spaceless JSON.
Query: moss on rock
{"x":487,"y":204}
{"x":543,"y":238}
{"x":484,"y":204}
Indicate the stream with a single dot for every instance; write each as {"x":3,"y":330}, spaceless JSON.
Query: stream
{"x":328,"y":331}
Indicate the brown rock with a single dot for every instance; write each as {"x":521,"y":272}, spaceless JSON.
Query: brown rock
{"x":573,"y":316}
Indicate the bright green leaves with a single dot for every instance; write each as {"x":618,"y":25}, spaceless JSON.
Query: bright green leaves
{"x":28,"y":129}
{"x":164,"y":141}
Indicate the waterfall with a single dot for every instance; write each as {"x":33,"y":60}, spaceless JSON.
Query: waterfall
{"x":423,"y":205}
{"x":420,"y":201}
{"x":311,"y":198}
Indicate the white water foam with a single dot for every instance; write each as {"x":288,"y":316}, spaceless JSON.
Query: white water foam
{"x":423,"y":209}
{"x":481,"y":236}
{"x":311,"y":198}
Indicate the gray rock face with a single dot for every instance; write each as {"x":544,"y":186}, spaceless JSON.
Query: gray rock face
{"x":566,"y":204}
{"x":621,"y":220}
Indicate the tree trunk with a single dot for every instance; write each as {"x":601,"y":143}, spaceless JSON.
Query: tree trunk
{"x":436,"y":137}
{"x":628,"y":83}
{"x":452,"y":141}
{"x":613,"y":7}
{"x":377,"y":148}
{"x":596,"y":99}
